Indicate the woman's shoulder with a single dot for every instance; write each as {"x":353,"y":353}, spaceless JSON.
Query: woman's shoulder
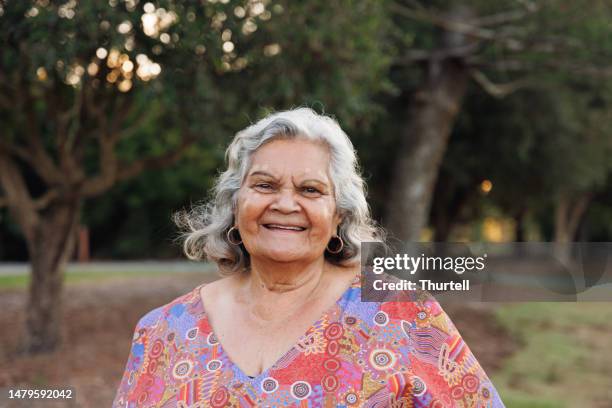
{"x":181,"y":306}
{"x":213,"y":289}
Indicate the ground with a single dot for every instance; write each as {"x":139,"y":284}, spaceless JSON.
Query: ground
{"x":531,"y":351}
{"x":99,"y":317}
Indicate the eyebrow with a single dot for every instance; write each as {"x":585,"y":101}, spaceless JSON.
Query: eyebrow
{"x":261,"y":173}
{"x":266,"y":174}
{"x":316,"y":181}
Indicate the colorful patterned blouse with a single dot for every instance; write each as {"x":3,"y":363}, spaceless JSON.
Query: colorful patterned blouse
{"x":358,"y":354}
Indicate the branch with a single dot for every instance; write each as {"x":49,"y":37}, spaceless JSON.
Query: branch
{"x":498,"y":90}
{"x":108,"y":164}
{"x":42,"y":162}
{"x":577,"y":210}
{"x":529,"y":5}
{"x":18,"y":151}
{"x":580,"y":69}
{"x":137,"y":123}
{"x":96,"y":110}
{"x":511,"y":37}
{"x":477,"y":61}
{"x":557,"y":64}
{"x":111,"y":174}
{"x":23,"y":154}
{"x":109,"y":135}
{"x":461,"y":27}
{"x":66,"y":134}
{"x":122,"y":110}
{"x":463,"y":51}
{"x":17,"y":196}
{"x":473,"y":27}
{"x":38,"y":157}
{"x":505,"y":16}
{"x":46,"y":199}
{"x":157,"y":162}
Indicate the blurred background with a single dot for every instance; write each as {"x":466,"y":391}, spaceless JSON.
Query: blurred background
{"x":474,"y":121}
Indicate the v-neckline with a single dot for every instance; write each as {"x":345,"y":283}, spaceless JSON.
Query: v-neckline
{"x":355,"y":282}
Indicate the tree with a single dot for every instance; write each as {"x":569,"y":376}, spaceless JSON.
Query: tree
{"x":501,"y":46}
{"x":538,"y":147}
{"x":95,"y":93}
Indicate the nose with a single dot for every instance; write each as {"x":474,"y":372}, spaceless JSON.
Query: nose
{"x":285,"y":201}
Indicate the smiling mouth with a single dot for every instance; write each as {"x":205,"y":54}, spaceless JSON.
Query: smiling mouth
{"x":277,"y":227}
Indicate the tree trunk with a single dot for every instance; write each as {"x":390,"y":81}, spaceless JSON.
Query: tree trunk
{"x":568,"y":213}
{"x":429,"y":121}
{"x":50,"y":248}
{"x":520,"y":219}
{"x":424,"y":139}
{"x":449,"y":202}
{"x":442,"y":227}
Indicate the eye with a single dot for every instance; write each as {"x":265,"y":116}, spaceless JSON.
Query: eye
{"x":311,"y":190}
{"x":263,"y":186}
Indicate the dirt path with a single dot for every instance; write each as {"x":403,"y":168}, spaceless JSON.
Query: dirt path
{"x":100,"y":318}
{"x":488,"y":340}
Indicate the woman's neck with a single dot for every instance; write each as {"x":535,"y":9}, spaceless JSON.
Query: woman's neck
{"x":285,"y":277}
{"x":273,"y":290}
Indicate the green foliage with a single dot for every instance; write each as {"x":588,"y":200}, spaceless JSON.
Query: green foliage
{"x":221,"y":62}
{"x":156,"y":73}
{"x":133,"y":220}
{"x":549,"y":137}
{"x":225,"y":63}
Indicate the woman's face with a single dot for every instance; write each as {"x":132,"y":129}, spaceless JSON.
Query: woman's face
{"x":286,"y":205}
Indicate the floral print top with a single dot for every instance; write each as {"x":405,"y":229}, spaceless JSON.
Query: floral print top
{"x":358,"y":354}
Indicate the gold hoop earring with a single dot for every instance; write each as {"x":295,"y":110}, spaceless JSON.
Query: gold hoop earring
{"x":337,"y":250}
{"x":229,"y":236}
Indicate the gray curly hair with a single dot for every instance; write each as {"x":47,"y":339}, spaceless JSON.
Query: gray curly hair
{"x":205,"y":226}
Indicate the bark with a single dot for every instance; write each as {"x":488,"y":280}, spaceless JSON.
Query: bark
{"x":50,"y":249}
{"x":568,"y":213}
{"x":520,"y":220}
{"x":48,"y":223}
{"x":443,"y":226}
{"x":16,"y":195}
{"x":449,"y":203}
{"x":430,"y":119}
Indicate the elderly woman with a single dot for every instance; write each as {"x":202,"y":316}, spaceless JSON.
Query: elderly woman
{"x":285,"y":326}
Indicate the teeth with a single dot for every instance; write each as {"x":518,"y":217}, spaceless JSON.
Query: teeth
{"x":285,"y":227}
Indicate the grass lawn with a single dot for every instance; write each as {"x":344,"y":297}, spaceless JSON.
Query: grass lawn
{"x":564,"y":359}
{"x":21,"y":281}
